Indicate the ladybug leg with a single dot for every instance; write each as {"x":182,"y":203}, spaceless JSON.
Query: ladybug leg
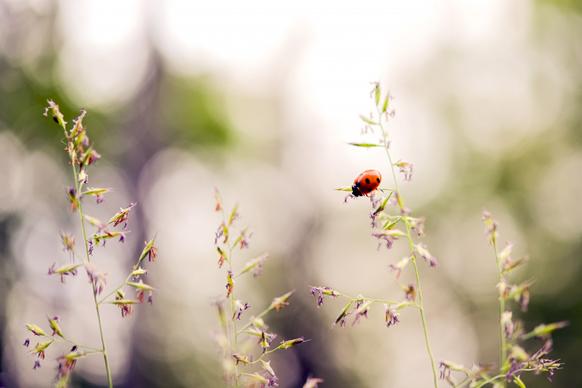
{"x":348,"y":197}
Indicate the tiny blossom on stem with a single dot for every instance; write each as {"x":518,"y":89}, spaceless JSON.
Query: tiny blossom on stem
{"x":150,"y":251}
{"x":229,"y":284}
{"x":388,"y":237}
{"x":344,"y":313}
{"x":141,"y":290}
{"x":390,"y":315}
{"x":266,"y":339}
{"x":240,"y":309}
{"x":35,"y":329}
{"x":66,"y":364}
{"x":406,"y":169}
{"x":281,"y":301}
{"x":507,"y":323}
{"x":410,"y":293}
{"x":97,"y":279}
{"x":63,"y":271}
{"x":221,"y":256}
{"x":398,"y":267}
{"x":41,"y":347}
{"x":241,"y":358}
{"x":121,"y":217}
{"x":426,"y":255}
{"x":490,"y":225}
{"x":361,"y":310}
{"x":54,"y":325}
{"x":290,"y":343}
{"x":243,"y":239}
{"x":255,"y":266}
{"x":417,"y":224}
{"x":125,"y":305}
{"x":320,"y":292}
{"x":68,"y":241}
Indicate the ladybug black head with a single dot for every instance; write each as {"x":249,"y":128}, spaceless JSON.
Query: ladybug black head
{"x":356,"y":190}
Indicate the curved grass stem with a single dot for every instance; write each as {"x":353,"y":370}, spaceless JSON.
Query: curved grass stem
{"x":412,"y":253}
{"x":502,"y":343}
{"x":88,"y":258}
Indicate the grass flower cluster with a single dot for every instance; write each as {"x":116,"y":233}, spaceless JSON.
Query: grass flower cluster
{"x":124,"y":296}
{"x":514,"y":360}
{"x":246,"y":344}
{"x":391,"y":221}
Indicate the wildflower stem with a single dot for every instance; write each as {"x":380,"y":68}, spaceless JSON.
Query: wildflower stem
{"x":374,"y":300}
{"x":261,"y":315}
{"x":88,"y":257}
{"x":412,"y":252}
{"x":103,"y":299}
{"x":234,"y":339}
{"x":502,"y":347}
{"x":263,"y":355}
{"x":66,"y":340}
{"x":489,"y":381}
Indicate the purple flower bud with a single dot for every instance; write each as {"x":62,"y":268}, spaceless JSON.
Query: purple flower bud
{"x":444,"y":371}
{"x":319,"y":292}
{"x":490,"y":226}
{"x":406,"y":169}
{"x":96,"y":278}
{"x":391,"y":316}
{"x":36,"y":364}
{"x":426,"y":255}
{"x":240,"y":308}
{"x":410,"y":293}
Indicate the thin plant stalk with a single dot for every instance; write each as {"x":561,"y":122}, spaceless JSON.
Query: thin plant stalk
{"x":412,"y":255}
{"x":502,"y":343}
{"x":88,"y":258}
{"x":234,"y":341}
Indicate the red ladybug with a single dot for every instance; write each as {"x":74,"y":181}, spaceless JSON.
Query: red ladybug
{"x":366,"y":182}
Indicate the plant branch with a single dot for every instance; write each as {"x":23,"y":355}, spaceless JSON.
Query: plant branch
{"x":412,"y":252}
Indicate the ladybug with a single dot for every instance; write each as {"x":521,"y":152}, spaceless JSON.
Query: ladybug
{"x":366,"y":182}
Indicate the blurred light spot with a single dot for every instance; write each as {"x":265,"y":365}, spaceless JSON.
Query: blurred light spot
{"x":104,"y":56}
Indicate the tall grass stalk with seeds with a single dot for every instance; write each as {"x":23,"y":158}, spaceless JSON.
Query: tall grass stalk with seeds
{"x":514,"y":359}
{"x":82,"y":155}
{"x":391,"y":221}
{"x":246,"y":345}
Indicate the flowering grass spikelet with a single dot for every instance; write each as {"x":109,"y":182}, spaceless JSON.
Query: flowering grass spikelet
{"x":251,"y":366}
{"x":82,"y":154}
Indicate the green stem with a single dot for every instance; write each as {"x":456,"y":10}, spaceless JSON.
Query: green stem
{"x":66,"y":340}
{"x":103,"y":299}
{"x":413,"y":257}
{"x":376,"y":300}
{"x":489,"y":381}
{"x":250,"y":322}
{"x":88,"y":256}
{"x":503,"y":345}
{"x":234,"y":339}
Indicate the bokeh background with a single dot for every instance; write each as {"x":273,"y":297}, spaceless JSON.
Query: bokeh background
{"x":259,"y":98}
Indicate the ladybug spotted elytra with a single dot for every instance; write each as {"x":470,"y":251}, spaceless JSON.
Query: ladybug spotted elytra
{"x":366,"y":182}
